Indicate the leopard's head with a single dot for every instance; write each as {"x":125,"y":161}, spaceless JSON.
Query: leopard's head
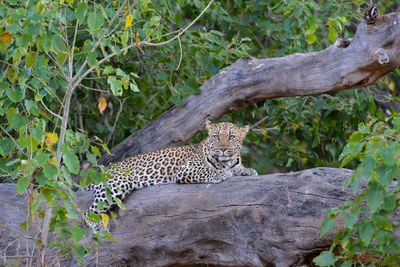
{"x":224,"y":141}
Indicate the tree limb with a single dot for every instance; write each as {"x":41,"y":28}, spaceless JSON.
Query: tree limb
{"x":373,"y":52}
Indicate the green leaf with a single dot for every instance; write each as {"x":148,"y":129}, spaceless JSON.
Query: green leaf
{"x":116,"y":85}
{"x":42,"y":158}
{"x":12,"y":74}
{"x":26,"y":39}
{"x":374,"y":196}
{"x":61,"y":58}
{"x":96,"y":151}
{"x":389,"y":203}
{"x":79,"y":250}
{"x":326,"y":258}
{"x":22,"y":184}
{"x":80,"y":12}
{"x":108,"y":70}
{"x":41,"y":179}
{"x":48,"y":193}
{"x":366,"y":232}
{"x":355,"y":180}
{"x":18,"y":121}
{"x":57,"y":43}
{"x":134,"y":87}
{"x":50,"y":171}
{"x":91,"y":158}
{"x":30,"y":59}
{"x":383,"y":222}
{"x":44,"y":43}
{"x":332,"y":34}
{"x":311,"y":29}
{"x":96,"y":177}
{"x":37,"y":133}
{"x":350,"y":219}
{"x":77,"y":233}
{"x":396,"y":123}
{"x":119,"y":203}
{"x":72,"y":162}
{"x":15,"y":94}
{"x":91,"y":58}
{"x":311,"y":38}
{"x":124,"y":38}
{"x":95,"y":21}
{"x":327,"y":225}
{"x":32,"y":107}
{"x":154,"y":21}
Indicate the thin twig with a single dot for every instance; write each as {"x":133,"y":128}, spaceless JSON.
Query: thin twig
{"x":181,"y":54}
{"x":51,"y":112}
{"x":93,"y":89}
{"x":182,"y":31}
{"x":258,"y":123}
{"x":121,"y":104}
{"x":58,"y":65}
{"x":71,"y":57}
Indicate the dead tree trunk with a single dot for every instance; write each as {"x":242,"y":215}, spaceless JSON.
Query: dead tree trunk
{"x":271,"y":220}
{"x":372,"y":53}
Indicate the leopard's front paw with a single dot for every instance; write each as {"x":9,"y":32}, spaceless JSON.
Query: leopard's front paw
{"x":246,"y":172}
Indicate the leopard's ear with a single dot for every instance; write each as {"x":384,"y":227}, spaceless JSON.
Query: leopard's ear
{"x":208,"y":124}
{"x":244,"y":130}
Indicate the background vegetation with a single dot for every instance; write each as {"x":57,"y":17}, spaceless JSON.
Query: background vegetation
{"x":107,"y":61}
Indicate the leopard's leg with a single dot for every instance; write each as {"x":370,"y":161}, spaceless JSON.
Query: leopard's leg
{"x":116,"y":190}
{"x":192,"y":173}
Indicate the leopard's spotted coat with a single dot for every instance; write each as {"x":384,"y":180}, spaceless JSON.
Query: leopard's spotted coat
{"x":210,"y":161}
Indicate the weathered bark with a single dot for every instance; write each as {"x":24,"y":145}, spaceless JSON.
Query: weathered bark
{"x":374,"y":51}
{"x":271,"y":220}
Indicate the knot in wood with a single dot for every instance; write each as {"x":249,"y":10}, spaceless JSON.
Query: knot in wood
{"x":381,"y":56}
{"x":340,"y":43}
{"x":371,"y":14}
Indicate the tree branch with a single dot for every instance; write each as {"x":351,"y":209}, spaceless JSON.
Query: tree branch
{"x":373,"y":52}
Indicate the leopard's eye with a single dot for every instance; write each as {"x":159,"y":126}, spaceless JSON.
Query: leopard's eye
{"x":232,"y":136}
{"x":215,"y":136}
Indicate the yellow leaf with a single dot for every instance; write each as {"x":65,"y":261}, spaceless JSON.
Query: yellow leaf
{"x":391,"y":85}
{"x":62,"y":1}
{"x":102,"y":104}
{"x":105,"y":219}
{"x":128,"y":21}
{"x":137,"y":39}
{"x":6,"y":37}
{"x":264,"y":132}
{"x":115,"y":3}
{"x":51,"y":139}
{"x":53,"y":161}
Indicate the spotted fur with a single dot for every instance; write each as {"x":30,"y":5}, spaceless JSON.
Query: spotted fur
{"x":210,"y":161}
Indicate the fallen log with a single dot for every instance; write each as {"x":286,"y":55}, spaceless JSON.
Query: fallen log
{"x":270,"y":220}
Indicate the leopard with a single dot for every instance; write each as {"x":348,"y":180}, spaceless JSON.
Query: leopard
{"x":211,"y":161}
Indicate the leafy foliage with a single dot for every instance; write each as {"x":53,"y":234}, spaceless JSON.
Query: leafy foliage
{"x":370,"y":217}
